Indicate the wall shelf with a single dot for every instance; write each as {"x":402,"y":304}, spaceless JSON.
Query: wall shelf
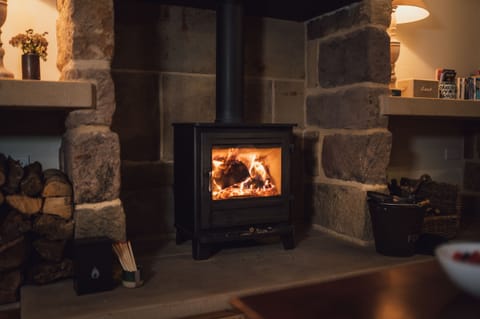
{"x":49,"y":95}
{"x":429,"y":107}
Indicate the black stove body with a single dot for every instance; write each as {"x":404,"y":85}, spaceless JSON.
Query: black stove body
{"x":232,"y":180}
{"x":208,"y":220}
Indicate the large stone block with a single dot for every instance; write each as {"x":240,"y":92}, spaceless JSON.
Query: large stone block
{"x":257,"y":104}
{"x":184,"y":98}
{"x":146,"y":175}
{"x":92,"y":162}
{"x":185,"y":41}
{"x":342,"y":209}
{"x":358,"y":14}
{"x":104,"y":95}
{"x":472,"y":176}
{"x":289,"y":102}
{"x":477,"y":147}
{"x":100,"y":219}
{"x":360,"y":158}
{"x":353,"y":108}
{"x":151,"y":36}
{"x":86,"y":30}
{"x":149,"y":211}
{"x":137,"y":115}
{"x":362,"y":55}
{"x":312,"y":63}
{"x":311,"y":153}
{"x":274,"y":48}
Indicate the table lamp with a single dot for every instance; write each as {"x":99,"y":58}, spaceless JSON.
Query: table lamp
{"x":403,"y":11}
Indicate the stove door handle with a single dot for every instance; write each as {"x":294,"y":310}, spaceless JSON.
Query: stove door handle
{"x":210,"y":181}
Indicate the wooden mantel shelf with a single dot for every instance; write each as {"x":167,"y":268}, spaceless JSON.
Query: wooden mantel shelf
{"x":430,"y":107}
{"x":57,"y":95}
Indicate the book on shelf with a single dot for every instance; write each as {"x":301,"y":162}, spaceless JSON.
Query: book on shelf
{"x":468,"y":88}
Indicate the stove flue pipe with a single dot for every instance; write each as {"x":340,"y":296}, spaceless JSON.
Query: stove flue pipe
{"x":229,"y":62}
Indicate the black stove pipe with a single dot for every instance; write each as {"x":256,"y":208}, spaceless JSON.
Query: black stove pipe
{"x":229,"y":60}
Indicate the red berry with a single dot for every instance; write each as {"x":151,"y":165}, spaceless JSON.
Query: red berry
{"x":457,"y":255}
{"x":475,"y":257}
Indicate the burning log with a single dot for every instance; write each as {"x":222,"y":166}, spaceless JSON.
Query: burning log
{"x":56,"y":184}
{"x":232,"y":172}
{"x":25,"y":204}
{"x":32,"y":181}
{"x":243,"y":172}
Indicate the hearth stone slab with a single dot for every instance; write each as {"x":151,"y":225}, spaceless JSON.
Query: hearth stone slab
{"x":177,"y":286}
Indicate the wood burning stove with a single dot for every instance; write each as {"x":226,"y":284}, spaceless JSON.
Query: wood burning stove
{"x":232,"y":183}
{"x":231,"y":179}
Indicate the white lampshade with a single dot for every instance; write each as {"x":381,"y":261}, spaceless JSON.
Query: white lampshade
{"x":407,"y":11}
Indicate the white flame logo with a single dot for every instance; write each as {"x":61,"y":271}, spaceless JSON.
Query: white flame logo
{"x":95,"y":274}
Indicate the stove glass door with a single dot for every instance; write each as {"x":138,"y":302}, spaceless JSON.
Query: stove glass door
{"x":245,"y":172}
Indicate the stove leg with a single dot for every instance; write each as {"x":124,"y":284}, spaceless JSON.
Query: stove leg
{"x":180,"y":237}
{"x":200,"y":251}
{"x":288,"y":241}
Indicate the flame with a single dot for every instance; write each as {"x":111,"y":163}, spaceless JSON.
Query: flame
{"x":245,"y":172}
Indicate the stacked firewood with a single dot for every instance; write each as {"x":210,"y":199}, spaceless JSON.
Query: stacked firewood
{"x":36,"y":226}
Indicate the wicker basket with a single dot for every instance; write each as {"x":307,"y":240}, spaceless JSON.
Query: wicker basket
{"x":444,"y":209}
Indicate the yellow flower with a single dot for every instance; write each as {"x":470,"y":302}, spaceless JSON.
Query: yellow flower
{"x":30,"y":42}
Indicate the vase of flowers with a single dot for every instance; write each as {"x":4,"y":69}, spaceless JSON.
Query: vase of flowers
{"x":34,"y":47}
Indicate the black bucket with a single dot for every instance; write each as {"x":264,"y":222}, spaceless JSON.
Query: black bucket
{"x":397,"y":224}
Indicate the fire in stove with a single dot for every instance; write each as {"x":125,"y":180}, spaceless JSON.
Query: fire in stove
{"x":246,"y":172}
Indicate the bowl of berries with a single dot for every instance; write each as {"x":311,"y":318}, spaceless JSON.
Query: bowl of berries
{"x":461,"y":263}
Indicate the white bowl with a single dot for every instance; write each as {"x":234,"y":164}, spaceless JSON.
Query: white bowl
{"x":465,"y":275}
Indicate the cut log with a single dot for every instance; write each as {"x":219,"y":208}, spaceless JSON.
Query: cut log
{"x":32,"y":182}
{"x":51,"y":250}
{"x":25,"y":204}
{"x":13,"y":254}
{"x":3,"y":169}
{"x":56,"y":184}
{"x":9,"y":244}
{"x":47,"y":272}
{"x":53,"y":227}
{"x":14,"y":226}
{"x":10,"y":287}
{"x":58,"y":206}
{"x":14,"y":176}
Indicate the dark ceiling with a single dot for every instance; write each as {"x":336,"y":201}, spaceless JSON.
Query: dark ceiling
{"x":299,"y":10}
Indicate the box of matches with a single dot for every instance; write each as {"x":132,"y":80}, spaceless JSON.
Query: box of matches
{"x":93,"y":265}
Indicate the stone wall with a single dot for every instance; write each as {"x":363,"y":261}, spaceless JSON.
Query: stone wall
{"x":471,"y":179}
{"x":164,"y":72}
{"x":346,"y":141}
{"x":472,"y":165}
{"x":90,"y":150}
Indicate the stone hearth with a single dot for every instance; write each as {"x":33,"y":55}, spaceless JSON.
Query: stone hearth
{"x":319,"y":84}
